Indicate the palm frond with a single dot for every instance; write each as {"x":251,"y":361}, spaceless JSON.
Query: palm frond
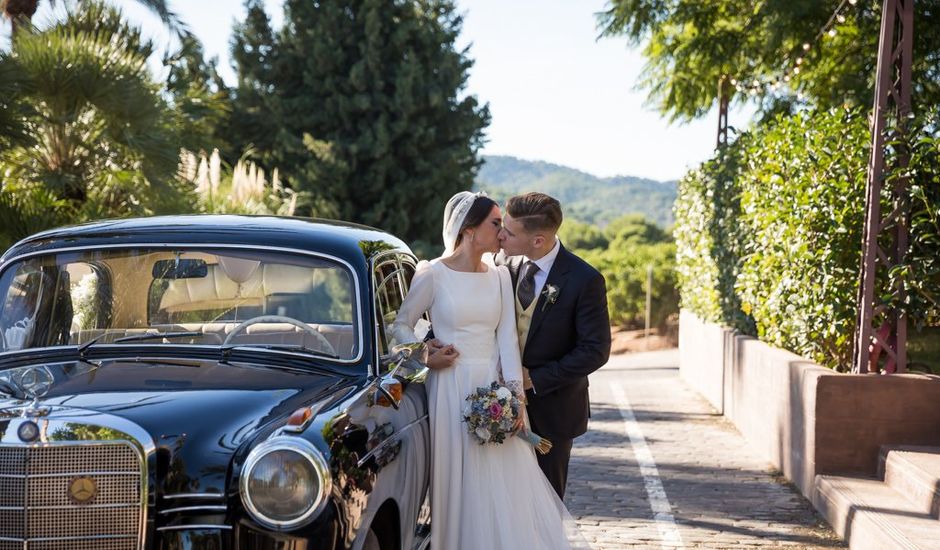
{"x":97,"y":96}
{"x":95,"y":17}
{"x":169,"y":17}
{"x":161,"y":8}
{"x":28,"y":209}
{"x":12,"y":109}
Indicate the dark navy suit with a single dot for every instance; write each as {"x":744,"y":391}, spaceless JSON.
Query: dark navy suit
{"x":567,"y":340}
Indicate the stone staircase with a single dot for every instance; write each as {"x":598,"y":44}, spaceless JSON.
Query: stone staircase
{"x":899,"y":510}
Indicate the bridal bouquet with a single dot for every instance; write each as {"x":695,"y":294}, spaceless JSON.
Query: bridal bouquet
{"x":490,"y":414}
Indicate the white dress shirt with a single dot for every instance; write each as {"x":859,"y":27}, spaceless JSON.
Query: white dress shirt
{"x":545,"y":264}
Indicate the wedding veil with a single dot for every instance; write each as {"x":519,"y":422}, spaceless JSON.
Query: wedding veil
{"x":454,"y":215}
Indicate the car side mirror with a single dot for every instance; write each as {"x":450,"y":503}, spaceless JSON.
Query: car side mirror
{"x":405,"y":358}
{"x":410,"y":358}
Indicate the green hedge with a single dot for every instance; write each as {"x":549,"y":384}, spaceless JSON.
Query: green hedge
{"x":709,"y":240}
{"x":802,"y":201}
{"x":769,"y":232}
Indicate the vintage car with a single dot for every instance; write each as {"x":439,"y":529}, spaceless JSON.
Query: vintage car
{"x":210,"y":382}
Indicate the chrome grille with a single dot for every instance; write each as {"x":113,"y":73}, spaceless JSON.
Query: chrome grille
{"x":36,"y":511}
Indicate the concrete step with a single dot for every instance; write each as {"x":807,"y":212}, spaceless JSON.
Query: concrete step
{"x":915,"y":473}
{"x":870,"y":515}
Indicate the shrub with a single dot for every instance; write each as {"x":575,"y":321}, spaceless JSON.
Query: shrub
{"x":710,"y":240}
{"x":625,"y":270}
{"x":802,"y":202}
{"x":769,"y":232}
{"x":623,"y":252}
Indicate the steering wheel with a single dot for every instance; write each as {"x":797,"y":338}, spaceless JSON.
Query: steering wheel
{"x":324,"y":343}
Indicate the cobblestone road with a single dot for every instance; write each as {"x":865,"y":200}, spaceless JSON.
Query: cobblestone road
{"x":659,"y":469}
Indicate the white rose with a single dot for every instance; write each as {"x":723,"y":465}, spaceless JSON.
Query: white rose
{"x":483,"y":434}
{"x":503,"y":393}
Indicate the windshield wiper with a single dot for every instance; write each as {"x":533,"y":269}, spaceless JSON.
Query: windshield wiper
{"x":322,"y":368}
{"x":155,"y":335}
{"x":84,"y":346}
{"x":226,"y":350}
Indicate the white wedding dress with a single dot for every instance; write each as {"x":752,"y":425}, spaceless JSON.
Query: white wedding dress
{"x":482,"y":496}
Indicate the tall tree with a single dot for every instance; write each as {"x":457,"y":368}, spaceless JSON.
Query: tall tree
{"x":253,"y":56}
{"x":369,"y":109}
{"x":691,"y":44}
{"x":200,"y":99}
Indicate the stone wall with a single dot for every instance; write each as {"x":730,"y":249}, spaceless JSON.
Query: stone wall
{"x":804,"y":418}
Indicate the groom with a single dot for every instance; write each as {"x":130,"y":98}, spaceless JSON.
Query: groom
{"x":564,"y":328}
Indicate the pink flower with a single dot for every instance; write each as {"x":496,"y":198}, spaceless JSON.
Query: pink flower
{"x":496,"y":410}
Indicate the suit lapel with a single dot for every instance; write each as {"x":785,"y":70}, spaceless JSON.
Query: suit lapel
{"x":556,"y":277}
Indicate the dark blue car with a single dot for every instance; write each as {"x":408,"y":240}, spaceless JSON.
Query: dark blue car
{"x":210,"y":382}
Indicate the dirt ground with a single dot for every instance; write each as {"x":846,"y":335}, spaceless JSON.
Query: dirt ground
{"x":629,"y":341}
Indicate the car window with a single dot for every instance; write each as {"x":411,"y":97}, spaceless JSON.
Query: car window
{"x":423,"y":325}
{"x":388,"y":298}
{"x":89,"y":295}
{"x":19,"y":309}
{"x":197,"y":297}
{"x":407,"y":272}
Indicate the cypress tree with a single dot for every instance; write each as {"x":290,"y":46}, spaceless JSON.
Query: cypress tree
{"x":251,"y":125}
{"x":368,"y":104}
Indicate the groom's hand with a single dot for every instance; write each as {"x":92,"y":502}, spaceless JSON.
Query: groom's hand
{"x":443,"y":357}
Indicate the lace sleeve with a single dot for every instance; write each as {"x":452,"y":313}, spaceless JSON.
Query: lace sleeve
{"x":419,"y":299}
{"x":508,"y":337}
{"x":515,"y":386}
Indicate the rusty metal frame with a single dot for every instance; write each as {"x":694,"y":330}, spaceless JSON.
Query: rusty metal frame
{"x":723,"y":93}
{"x":892,"y":110}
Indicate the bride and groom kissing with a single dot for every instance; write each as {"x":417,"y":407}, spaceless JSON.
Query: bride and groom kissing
{"x":507,"y":302}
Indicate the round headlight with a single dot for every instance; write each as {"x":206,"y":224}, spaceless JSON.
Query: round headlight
{"x":285,"y":482}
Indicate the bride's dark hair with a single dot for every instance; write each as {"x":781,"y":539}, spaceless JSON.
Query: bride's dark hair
{"x":476,"y":215}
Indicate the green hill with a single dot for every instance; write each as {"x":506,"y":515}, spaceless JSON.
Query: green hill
{"x":583,"y":196}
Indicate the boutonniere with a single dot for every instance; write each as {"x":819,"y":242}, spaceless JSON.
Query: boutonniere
{"x":551,"y":295}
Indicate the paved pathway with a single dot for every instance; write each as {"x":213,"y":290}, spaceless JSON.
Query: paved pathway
{"x":659,"y":469}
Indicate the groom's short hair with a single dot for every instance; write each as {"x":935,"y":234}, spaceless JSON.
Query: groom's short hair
{"x":535,"y":211}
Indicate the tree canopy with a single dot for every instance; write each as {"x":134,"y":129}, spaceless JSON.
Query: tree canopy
{"x":691,"y":44}
{"x":361,"y":104}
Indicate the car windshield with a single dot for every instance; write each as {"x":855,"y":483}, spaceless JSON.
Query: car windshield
{"x":179,"y":297}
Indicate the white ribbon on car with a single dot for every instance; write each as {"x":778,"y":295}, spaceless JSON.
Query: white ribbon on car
{"x":15,"y":336}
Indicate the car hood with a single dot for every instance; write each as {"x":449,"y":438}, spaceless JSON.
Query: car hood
{"x":197,"y":413}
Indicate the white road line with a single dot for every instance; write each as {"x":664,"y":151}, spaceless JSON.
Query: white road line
{"x":659,"y":503}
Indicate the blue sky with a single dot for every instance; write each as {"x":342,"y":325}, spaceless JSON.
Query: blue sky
{"x":556,"y":92}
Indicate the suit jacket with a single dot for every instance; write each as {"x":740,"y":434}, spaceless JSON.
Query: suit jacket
{"x":567,"y":340}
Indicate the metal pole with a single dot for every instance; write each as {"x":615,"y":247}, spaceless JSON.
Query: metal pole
{"x":649,"y":303}
{"x":722,"y":138}
{"x":892,"y":99}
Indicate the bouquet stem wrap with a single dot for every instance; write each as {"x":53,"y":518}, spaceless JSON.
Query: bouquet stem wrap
{"x":542,"y":445}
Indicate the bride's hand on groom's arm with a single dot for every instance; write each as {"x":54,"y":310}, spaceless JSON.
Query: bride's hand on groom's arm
{"x":442,"y":357}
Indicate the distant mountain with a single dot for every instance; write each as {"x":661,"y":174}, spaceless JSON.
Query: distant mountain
{"x":583,"y":196}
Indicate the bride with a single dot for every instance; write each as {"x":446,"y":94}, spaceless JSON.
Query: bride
{"x":482,"y":496}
